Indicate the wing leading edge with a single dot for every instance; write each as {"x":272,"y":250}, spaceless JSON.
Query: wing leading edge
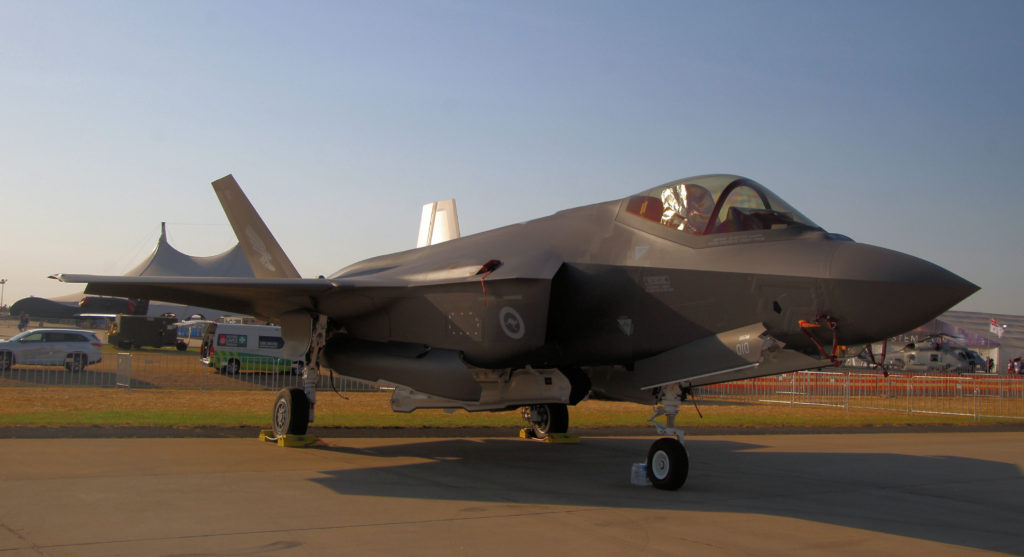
{"x":267,"y":298}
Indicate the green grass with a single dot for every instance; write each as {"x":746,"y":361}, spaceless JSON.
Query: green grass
{"x":114,"y":418}
{"x":84,"y":406}
{"x":110,"y":350}
{"x":751,"y":417}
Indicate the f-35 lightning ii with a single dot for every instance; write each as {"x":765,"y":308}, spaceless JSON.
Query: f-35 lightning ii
{"x":702,"y":280}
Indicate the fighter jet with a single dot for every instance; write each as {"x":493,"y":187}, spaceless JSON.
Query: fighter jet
{"x":697,"y":281}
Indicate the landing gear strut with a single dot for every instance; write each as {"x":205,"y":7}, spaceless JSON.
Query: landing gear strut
{"x":667,"y":461}
{"x":293,"y":409}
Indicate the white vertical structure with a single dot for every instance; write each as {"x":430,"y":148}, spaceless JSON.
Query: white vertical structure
{"x":438,"y":223}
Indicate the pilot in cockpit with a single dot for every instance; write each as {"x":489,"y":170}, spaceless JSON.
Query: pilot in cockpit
{"x":687,"y":207}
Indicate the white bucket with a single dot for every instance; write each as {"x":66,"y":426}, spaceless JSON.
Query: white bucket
{"x":638,"y":475}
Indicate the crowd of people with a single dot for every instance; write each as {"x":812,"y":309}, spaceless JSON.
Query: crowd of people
{"x":1013,"y":367}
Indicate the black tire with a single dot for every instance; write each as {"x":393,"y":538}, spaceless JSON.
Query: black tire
{"x":667,"y":464}
{"x":549,"y":418}
{"x":291,"y":412}
{"x":75,"y":363}
{"x":579,"y":384}
{"x":232,"y":367}
{"x":6,"y":361}
{"x":181,"y":346}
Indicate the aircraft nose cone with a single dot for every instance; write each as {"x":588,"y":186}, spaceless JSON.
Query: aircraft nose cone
{"x":876,"y":293}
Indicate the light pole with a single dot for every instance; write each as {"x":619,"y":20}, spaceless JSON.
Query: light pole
{"x":2,"y":283}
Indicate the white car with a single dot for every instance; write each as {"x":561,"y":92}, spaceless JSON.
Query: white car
{"x":72,"y":348}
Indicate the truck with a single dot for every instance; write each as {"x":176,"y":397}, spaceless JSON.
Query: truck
{"x":137,"y":331}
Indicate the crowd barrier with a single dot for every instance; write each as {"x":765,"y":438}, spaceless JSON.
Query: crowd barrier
{"x":980,"y":396}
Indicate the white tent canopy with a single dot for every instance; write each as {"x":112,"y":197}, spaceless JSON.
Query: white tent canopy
{"x":168,"y":261}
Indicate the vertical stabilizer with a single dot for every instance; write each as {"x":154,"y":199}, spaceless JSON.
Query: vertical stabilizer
{"x":265,"y":255}
{"x":439,"y":223}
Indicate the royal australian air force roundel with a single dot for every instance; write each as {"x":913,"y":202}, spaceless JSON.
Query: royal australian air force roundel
{"x":512,"y":323}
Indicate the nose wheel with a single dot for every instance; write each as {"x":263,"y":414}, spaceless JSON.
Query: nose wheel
{"x":667,"y":464}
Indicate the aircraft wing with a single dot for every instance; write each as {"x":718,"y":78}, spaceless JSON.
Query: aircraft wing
{"x":271,"y":298}
{"x":249,"y":296}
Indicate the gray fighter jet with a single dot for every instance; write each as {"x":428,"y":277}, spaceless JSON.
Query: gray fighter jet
{"x":702,"y":280}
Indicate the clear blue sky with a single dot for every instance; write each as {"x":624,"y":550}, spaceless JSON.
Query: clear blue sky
{"x":900,"y":124}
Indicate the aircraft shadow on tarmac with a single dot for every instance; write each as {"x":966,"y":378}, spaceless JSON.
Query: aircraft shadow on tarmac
{"x":956,"y":500}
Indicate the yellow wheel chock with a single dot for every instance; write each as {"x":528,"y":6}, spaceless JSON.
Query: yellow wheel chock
{"x":288,"y":440}
{"x":555,"y":438}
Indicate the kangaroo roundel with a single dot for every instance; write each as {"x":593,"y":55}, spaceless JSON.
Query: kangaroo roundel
{"x":511,"y":323}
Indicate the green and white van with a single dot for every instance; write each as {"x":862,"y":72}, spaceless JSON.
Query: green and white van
{"x":231,"y":347}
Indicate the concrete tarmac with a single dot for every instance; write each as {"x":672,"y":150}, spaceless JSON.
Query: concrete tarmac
{"x":837,"y":494}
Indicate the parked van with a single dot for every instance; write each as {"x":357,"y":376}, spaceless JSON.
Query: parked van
{"x":231,"y":347}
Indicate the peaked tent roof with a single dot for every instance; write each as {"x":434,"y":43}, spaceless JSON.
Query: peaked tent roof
{"x":167,"y":261}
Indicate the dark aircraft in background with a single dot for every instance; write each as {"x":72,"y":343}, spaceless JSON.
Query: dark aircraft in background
{"x":87,"y":306}
{"x":702,"y":280}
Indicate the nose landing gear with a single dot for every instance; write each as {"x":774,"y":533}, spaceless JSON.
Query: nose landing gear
{"x":668,"y":463}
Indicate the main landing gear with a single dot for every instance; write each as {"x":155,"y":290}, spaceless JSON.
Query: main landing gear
{"x":293,"y":408}
{"x":667,"y":461}
{"x":544,"y":420}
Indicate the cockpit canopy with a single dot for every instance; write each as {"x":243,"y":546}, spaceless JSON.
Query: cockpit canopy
{"x":716,"y":204}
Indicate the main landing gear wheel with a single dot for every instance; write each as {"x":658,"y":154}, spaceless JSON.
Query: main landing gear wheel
{"x":667,"y":464}
{"x":545,"y":419}
{"x":291,"y":412}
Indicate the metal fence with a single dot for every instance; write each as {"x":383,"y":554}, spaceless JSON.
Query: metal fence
{"x":977,"y":396}
{"x":162,"y":369}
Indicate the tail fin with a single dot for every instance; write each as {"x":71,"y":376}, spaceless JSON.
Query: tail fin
{"x":439,"y":223}
{"x":265,"y":255}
